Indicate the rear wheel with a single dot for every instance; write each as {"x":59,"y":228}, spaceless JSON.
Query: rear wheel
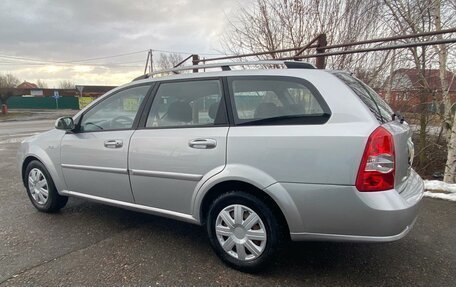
{"x":243,"y":231}
{"x":41,"y":189}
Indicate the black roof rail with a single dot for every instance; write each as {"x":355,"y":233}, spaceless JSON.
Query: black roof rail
{"x":298,"y":65}
{"x":227,"y":67}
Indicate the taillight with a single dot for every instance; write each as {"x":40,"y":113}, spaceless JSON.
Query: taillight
{"x":377,"y":168}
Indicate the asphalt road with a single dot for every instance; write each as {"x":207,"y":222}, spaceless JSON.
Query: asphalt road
{"x":89,"y":244}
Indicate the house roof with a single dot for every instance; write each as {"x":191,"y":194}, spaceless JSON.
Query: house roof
{"x":432,"y":77}
{"x":27,"y":85}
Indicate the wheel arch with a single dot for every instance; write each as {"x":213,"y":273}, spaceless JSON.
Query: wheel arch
{"x":25,"y":163}
{"x":231,"y":185}
{"x":44,"y":159}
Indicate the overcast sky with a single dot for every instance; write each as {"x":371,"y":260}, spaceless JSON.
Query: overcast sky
{"x":36,"y":33}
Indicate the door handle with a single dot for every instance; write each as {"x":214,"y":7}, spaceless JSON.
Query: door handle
{"x":202,"y":143}
{"x":113,"y":144}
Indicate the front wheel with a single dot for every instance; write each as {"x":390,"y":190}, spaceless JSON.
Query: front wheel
{"x":41,"y":189}
{"x":243,"y":231}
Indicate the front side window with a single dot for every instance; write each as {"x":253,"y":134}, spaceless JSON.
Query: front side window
{"x":116,"y":112}
{"x":277,"y":101}
{"x":186,"y":104}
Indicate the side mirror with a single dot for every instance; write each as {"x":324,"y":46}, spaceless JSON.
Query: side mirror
{"x":65,"y":123}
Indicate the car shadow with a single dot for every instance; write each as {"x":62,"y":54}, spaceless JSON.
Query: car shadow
{"x":360,"y":263}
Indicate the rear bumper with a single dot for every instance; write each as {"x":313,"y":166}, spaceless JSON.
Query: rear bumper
{"x":349,"y":238}
{"x":342,"y":213}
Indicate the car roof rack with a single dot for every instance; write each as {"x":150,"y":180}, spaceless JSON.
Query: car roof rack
{"x":227,"y":67}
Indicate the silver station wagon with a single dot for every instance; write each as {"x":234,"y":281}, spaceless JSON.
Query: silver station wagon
{"x":257,"y":156}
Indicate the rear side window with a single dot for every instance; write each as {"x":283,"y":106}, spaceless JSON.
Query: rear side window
{"x":276,"y":100}
{"x":187,"y":104}
{"x":371,"y":99}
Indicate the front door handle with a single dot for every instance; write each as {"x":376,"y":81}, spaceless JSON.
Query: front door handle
{"x":202,"y":143}
{"x":113,"y":144}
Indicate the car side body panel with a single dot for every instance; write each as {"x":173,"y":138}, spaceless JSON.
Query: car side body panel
{"x":46,"y":148}
{"x":231,"y":172}
{"x":89,"y":167}
{"x":301,"y":153}
{"x":164,"y":169}
{"x":343,"y":213}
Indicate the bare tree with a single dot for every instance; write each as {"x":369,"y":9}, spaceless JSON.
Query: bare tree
{"x":65,"y":84}
{"x":167,"y":61}
{"x":7,"y":81}
{"x":418,"y":16}
{"x":270,"y":25}
{"x":449,"y":126}
{"x":407,"y":17}
{"x":42,"y":84}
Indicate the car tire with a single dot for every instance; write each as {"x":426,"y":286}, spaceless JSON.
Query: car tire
{"x":240,"y":240}
{"x":41,"y":189}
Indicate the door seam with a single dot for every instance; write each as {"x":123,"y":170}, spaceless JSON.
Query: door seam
{"x":128,"y":166}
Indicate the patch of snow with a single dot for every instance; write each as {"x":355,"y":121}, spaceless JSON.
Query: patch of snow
{"x":439,"y":195}
{"x":437,"y":185}
{"x":440,"y":189}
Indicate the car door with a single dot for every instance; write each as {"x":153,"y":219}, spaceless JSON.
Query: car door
{"x":94,"y":158}
{"x":182,"y":142}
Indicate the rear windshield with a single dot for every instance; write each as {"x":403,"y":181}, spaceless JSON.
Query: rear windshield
{"x":373,"y":101}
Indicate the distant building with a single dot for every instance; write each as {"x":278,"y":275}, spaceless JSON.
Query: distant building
{"x":27,"y":85}
{"x":87,"y":94}
{"x":29,"y":96}
{"x":406,"y":89}
{"x":94,"y":91}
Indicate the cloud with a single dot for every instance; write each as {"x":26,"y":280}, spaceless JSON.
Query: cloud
{"x":69,"y":30}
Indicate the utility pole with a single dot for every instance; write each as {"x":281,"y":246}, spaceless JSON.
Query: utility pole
{"x":149,"y":62}
{"x":151,"y":69}
{"x":321,"y":42}
{"x":195,"y":61}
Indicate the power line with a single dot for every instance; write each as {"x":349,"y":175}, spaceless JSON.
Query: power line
{"x":106,"y":57}
{"x":188,"y":53}
{"x":34,"y":61}
{"x":73,"y":61}
{"x":68,"y":65}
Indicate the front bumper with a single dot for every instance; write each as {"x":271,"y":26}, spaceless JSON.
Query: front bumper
{"x":342,"y":213}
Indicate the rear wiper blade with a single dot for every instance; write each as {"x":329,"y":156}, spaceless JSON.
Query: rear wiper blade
{"x":399,"y":116}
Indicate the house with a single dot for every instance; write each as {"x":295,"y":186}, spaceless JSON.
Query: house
{"x":407,"y":88}
{"x":27,"y":85}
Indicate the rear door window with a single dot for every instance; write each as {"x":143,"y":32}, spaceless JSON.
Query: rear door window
{"x":379,"y":108}
{"x":187,"y":104}
{"x":276,"y":100}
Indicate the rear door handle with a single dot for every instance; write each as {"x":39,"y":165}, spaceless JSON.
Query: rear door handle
{"x":202,"y":143}
{"x":113,"y":144}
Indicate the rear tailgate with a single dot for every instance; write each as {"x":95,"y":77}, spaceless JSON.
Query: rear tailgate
{"x":403,"y":147}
